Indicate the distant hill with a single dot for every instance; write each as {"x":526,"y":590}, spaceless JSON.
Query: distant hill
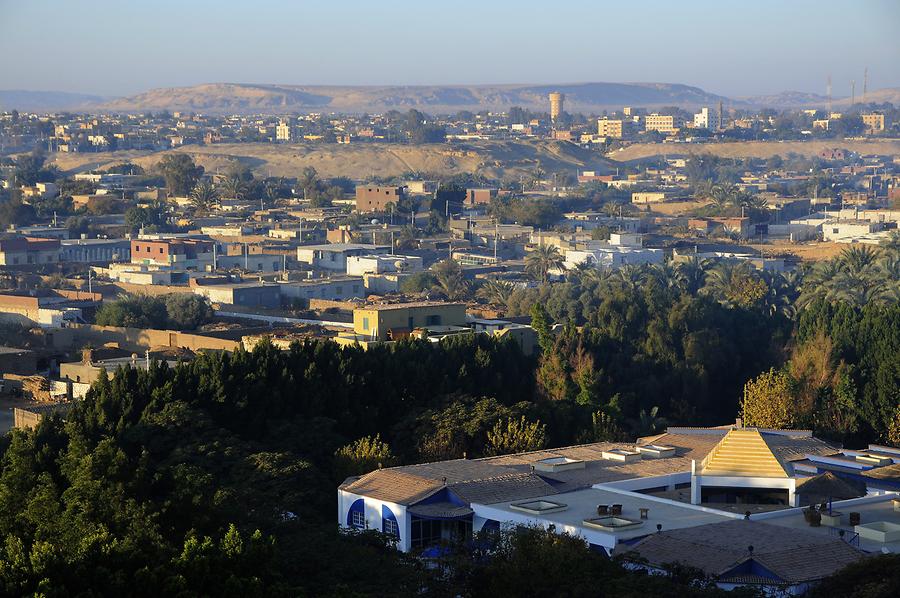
{"x":788,"y":99}
{"x":16,"y":99}
{"x":240,"y":98}
{"x":243,"y":98}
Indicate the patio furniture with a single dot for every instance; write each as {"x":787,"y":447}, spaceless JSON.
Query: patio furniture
{"x":832,"y":519}
{"x":855,"y":519}
{"x":602,"y":510}
{"x":616,"y":510}
{"x":644,"y":512}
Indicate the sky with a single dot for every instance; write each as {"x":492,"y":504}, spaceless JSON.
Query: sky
{"x":729,"y":47}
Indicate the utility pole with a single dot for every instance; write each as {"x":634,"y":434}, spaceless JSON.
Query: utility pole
{"x":852,"y":92}
{"x":828,"y":92}
{"x":496,"y":235}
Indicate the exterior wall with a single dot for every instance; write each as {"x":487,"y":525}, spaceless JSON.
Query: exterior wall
{"x":267,"y":296}
{"x":373,"y":512}
{"x":371,"y":198}
{"x":377,"y":264}
{"x":699,"y":481}
{"x":133,"y":339}
{"x":95,"y":253}
{"x":375,"y":323}
{"x":660,"y":122}
{"x":610,"y":128}
{"x":480,"y":196}
{"x":330,"y":289}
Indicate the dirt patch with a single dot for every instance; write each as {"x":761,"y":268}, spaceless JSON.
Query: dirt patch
{"x":493,"y":159}
{"x":753,"y":149}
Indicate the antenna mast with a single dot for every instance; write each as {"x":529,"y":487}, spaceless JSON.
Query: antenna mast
{"x":865,"y":84}
{"x":828,"y":93}
{"x":852,"y":91}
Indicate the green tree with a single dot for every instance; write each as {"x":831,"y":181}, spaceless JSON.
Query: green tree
{"x":362,"y":456}
{"x":769,"y":401}
{"x":186,"y":311}
{"x":180,"y":173}
{"x":204,"y":198}
{"x":540,"y":261}
{"x":515,"y":436}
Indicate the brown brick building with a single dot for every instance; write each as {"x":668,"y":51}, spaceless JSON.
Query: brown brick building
{"x":371,"y":198}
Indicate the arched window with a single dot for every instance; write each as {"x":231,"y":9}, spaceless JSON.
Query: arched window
{"x":389,"y":523}
{"x":356,"y":516}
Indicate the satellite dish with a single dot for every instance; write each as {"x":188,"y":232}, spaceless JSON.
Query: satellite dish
{"x":374,"y":220}
{"x":400,"y":264}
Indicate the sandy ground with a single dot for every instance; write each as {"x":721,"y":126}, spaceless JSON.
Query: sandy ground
{"x":809,"y":251}
{"x":753,"y":149}
{"x":495,"y":160}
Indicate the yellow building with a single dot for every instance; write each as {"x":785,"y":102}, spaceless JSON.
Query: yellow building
{"x":397,"y":320}
{"x":663,"y":123}
{"x":610,"y":128}
{"x":874,"y":122}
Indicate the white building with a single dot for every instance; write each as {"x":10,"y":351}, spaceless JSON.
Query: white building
{"x":357,"y":265}
{"x":687,"y":485}
{"x":333,"y":256}
{"x":622,"y":249}
{"x":706,"y":119}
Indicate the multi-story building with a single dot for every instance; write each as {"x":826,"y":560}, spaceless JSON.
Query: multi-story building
{"x":706,"y":119}
{"x":614,"y":128}
{"x":874,"y":122}
{"x":283,"y":131}
{"x":372,"y":198}
{"x":663,"y":123}
{"x":195,"y":254}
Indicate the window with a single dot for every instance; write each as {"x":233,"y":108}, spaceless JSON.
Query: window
{"x":365,"y":323}
{"x":433,"y":320}
{"x":358,"y":519}
{"x":390,"y":527}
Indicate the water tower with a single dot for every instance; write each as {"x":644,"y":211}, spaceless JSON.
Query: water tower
{"x":556,"y":104}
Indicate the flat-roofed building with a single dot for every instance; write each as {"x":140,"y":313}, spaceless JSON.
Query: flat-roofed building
{"x":614,"y":128}
{"x":19,"y":251}
{"x":663,"y":123}
{"x":182,"y":253}
{"x":874,"y":122}
{"x":333,"y":256}
{"x":372,"y":198}
{"x":385,"y":321}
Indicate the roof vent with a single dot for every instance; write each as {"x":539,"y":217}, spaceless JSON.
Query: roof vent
{"x":655,"y":451}
{"x":553,"y":464}
{"x":621,"y":455}
{"x":539,"y":507}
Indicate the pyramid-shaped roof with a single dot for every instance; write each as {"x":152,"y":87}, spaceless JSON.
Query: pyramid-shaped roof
{"x":743,"y":452}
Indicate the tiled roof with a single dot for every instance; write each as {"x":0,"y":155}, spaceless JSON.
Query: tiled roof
{"x":516,"y":486}
{"x":794,"y":555}
{"x":393,"y":485}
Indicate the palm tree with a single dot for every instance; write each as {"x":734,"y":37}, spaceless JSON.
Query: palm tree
{"x":703,"y":189}
{"x":691,"y":275}
{"x":891,"y":245}
{"x":730,"y":281}
{"x":449,"y":280}
{"x":630,"y":276}
{"x":541,"y":260}
{"x":858,"y":259}
{"x":496,"y":292}
{"x":581,"y":271}
{"x":859,"y":288}
{"x":232,"y":187}
{"x":203,"y":197}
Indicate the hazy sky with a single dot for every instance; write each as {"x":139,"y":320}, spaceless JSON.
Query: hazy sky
{"x":734,"y":48}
